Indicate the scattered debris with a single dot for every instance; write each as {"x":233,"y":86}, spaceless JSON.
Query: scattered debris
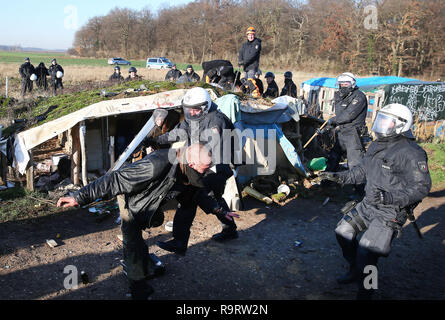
{"x":52,"y":243}
{"x":253,"y":193}
{"x":169,"y":226}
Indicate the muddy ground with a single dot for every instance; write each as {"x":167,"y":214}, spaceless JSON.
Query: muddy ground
{"x":263,"y":263}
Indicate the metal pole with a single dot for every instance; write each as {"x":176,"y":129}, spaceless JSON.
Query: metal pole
{"x":6,"y":87}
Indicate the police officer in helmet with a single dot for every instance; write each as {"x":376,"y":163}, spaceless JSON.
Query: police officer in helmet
{"x":396,"y":174}
{"x":201,"y":121}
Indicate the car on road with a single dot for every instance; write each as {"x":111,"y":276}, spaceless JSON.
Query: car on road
{"x":159,"y":63}
{"x":117,"y":61}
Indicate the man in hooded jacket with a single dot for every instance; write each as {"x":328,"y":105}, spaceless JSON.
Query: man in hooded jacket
{"x":250,"y":52}
{"x":26,"y":70}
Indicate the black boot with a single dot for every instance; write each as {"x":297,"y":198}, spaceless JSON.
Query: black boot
{"x":140,"y":290}
{"x":351,"y":276}
{"x":226,"y":234}
{"x":174,"y":245}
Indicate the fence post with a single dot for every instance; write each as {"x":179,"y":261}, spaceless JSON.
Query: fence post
{"x":6,"y":87}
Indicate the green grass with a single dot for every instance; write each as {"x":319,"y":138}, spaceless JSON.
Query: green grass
{"x":66,"y":60}
{"x":436,"y":162}
{"x":17,"y":204}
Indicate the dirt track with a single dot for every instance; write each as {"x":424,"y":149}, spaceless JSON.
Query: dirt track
{"x":263,"y":263}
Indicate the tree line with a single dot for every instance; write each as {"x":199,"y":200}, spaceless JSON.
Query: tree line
{"x":386,"y":37}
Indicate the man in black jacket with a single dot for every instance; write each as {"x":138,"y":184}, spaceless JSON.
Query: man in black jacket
{"x":249,"y":55}
{"x":147,"y":184}
{"x":26,"y":70}
{"x":272,"y":88}
{"x":396,"y":174}
{"x":173,"y":74}
{"x":117,"y":75}
{"x":202,"y":121}
{"x":289,"y":89}
{"x":56,"y":72}
{"x":42,"y":73}
{"x":189,"y":76}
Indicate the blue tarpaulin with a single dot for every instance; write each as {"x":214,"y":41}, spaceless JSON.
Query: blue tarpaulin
{"x":371,"y":82}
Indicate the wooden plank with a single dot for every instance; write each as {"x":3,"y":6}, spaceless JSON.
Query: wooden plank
{"x":30,"y":173}
{"x":75,"y":155}
{"x":83,"y":153}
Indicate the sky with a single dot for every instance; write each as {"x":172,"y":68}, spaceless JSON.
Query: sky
{"x":51,"y":24}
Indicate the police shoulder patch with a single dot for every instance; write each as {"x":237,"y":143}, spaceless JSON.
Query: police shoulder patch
{"x":423,"y":166}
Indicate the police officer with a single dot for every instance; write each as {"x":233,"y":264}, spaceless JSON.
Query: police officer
{"x":117,"y":76}
{"x":132,"y":74}
{"x":272,"y":88}
{"x":42,"y":73}
{"x":173,"y":74}
{"x":147,"y":184}
{"x":249,"y":55}
{"x":289,"y":89}
{"x":56,"y":72}
{"x":26,"y":70}
{"x":396,"y":174}
{"x":351,"y":107}
{"x":202,"y":121}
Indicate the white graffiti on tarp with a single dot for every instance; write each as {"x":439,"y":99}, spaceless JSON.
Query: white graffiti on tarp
{"x":431,"y":95}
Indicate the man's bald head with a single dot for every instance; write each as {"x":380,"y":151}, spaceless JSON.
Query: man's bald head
{"x":198,"y":157}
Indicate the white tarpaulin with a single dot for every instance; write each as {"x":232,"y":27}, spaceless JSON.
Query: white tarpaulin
{"x":26,"y":140}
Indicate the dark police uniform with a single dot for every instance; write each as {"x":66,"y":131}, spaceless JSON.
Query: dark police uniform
{"x":398,"y":167}
{"x":56,"y":82}
{"x":272,"y":90}
{"x":173,"y":73}
{"x":350,"y":117}
{"x":26,"y":70}
{"x":213,"y":183}
{"x":289,"y":89}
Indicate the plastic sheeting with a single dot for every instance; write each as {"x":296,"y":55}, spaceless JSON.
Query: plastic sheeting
{"x":368,"y":83}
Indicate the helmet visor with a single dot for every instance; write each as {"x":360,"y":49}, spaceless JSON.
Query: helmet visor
{"x":384,"y":124}
{"x":192,"y":113}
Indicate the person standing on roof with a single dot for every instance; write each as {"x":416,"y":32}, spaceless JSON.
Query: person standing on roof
{"x":249,"y":55}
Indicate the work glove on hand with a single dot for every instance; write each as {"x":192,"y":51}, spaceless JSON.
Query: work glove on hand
{"x":379,"y":196}
{"x":332,"y":176}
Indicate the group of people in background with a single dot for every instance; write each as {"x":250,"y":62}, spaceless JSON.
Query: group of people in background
{"x":39,"y":75}
{"x":132,"y":74}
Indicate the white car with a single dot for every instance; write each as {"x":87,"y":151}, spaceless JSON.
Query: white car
{"x":158,"y":63}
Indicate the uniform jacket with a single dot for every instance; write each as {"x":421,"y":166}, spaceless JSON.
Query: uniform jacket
{"x":396,"y":165}
{"x":173,"y":73}
{"x":289,"y":89}
{"x":350,"y":111}
{"x":26,"y":70}
{"x":249,"y":55}
{"x":272,"y":90}
{"x":53,"y":68}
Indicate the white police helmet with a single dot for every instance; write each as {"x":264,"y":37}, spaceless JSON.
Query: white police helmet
{"x":33,"y":77}
{"x":346,"y":77}
{"x":196,"y":98}
{"x":59,"y":74}
{"x":393,"y":119}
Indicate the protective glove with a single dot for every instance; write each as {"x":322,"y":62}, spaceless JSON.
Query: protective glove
{"x":332,"y":176}
{"x":379,"y":196}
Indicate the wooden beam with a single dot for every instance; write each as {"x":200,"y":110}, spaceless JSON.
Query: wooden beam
{"x":75,"y":155}
{"x":30,"y":174}
{"x":82,"y":133}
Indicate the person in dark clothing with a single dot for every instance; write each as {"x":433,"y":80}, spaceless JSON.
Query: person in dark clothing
{"x":116,"y":76}
{"x":189,"y":76}
{"x":249,"y":55}
{"x":351,"y":107}
{"x":42,"y":72}
{"x":26,"y":70}
{"x":396,"y":174}
{"x":147,"y":184}
{"x":132,"y":75}
{"x":56,"y":72}
{"x":258,"y":81}
{"x":289,"y":89}
{"x":272,"y":88}
{"x":173,"y":74}
{"x":202,"y":120}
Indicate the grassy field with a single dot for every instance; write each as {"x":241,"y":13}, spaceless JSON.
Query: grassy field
{"x":66,"y":60}
{"x":436,"y":163}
